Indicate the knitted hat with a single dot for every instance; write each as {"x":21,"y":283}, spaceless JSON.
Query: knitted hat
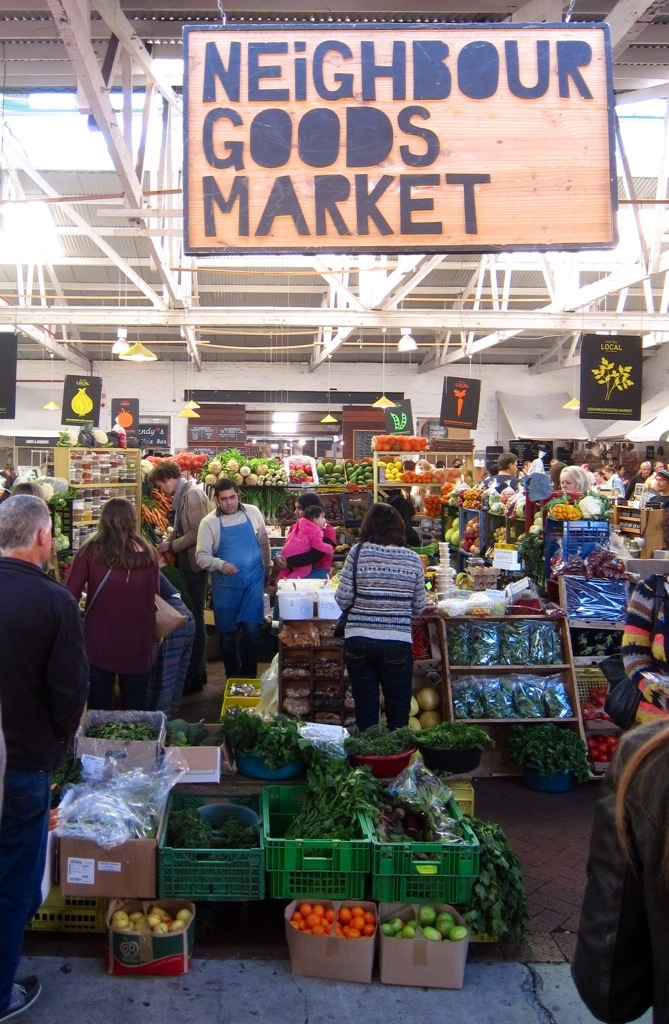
{"x":663,"y":473}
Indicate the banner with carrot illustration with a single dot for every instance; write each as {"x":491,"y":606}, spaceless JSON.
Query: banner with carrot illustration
{"x":460,"y":402}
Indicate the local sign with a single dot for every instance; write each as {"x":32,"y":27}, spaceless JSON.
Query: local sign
{"x":398,"y":138}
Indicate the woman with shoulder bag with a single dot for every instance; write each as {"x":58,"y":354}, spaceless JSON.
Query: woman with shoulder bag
{"x":382,"y":585}
{"x":119,"y":570}
{"x":620,"y":966}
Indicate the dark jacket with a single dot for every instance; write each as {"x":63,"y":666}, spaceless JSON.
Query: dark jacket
{"x":43,"y":667}
{"x":621,"y":967}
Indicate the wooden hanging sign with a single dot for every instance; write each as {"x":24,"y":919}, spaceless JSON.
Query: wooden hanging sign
{"x":398,"y":138}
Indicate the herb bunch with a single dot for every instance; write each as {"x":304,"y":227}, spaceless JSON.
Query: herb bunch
{"x":499,"y":900}
{"x":335,"y":795}
{"x":379,"y":742}
{"x":550,"y":748}
{"x":276,"y":742}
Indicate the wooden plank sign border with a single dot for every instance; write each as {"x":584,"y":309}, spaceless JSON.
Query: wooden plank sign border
{"x":398,"y":138}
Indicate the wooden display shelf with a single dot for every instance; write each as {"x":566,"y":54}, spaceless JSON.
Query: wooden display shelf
{"x":494,"y":761}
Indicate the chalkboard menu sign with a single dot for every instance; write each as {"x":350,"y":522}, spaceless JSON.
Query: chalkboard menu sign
{"x":201,"y":432}
{"x":232,"y":435}
{"x":154,"y":435}
{"x":209,"y":452}
{"x":362,"y":443}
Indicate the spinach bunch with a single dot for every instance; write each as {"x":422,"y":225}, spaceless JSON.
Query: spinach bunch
{"x":335,"y":795}
{"x":124,"y":732}
{"x":377,"y":741}
{"x":499,"y":899}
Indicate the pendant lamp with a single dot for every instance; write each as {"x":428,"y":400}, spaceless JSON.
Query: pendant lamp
{"x":383,"y":402}
{"x":51,"y":406}
{"x":329,"y":418}
{"x":138,"y":353}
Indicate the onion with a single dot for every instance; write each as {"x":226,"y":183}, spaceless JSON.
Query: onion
{"x":429,"y":718}
{"x":414,"y":724}
{"x":428,"y":699}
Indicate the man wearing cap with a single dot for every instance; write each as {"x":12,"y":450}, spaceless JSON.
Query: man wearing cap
{"x":661,"y":498}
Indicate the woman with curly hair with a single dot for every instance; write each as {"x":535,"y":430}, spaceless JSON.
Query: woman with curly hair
{"x":118,"y":569}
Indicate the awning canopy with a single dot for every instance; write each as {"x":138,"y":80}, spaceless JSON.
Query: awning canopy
{"x":646,"y":429}
{"x":544,"y":419}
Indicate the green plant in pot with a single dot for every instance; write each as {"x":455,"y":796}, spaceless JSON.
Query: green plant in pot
{"x":385,"y":752}
{"x":263,"y":749}
{"x":454,"y":747}
{"x":552,"y":756}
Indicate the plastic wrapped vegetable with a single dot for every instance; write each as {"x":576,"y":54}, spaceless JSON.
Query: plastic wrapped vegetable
{"x":545,"y":644}
{"x":459,"y":644}
{"x":467,"y":701}
{"x":494,"y":699}
{"x":515,"y":640}
{"x":484,"y":643}
{"x":556,"y":700}
{"x":528,"y":698}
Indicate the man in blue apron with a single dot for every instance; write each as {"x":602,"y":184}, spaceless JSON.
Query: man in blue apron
{"x":232,"y":543}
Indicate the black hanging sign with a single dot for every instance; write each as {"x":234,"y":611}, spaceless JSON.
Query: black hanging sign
{"x":460,"y":402}
{"x":611,"y":373}
{"x":125,"y":413}
{"x":8,"y":355}
{"x":81,"y":400}
{"x":399,"y":420}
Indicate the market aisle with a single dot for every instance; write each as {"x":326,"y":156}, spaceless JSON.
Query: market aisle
{"x":248,"y":991}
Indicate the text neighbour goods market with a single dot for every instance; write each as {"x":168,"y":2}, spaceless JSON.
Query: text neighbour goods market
{"x":401,"y":137}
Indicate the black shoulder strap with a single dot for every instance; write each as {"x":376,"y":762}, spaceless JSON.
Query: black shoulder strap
{"x":354,"y":568}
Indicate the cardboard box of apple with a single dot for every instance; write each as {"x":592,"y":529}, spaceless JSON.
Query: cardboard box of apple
{"x":149,"y":937}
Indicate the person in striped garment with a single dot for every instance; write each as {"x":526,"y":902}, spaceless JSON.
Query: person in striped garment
{"x":389,"y":588}
{"x":644,"y":648}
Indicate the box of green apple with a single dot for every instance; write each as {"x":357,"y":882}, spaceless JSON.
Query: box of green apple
{"x":436,"y":951}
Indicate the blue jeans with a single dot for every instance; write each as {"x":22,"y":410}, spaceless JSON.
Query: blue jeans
{"x":134,"y":689}
{"x":23,"y":834}
{"x":387,"y":664}
{"x":197,"y":583}
{"x":239,"y":649}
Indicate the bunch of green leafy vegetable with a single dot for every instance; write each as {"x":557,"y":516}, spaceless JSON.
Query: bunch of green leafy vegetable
{"x":499,"y":900}
{"x":188,"y":830}
{"x":549,"y":748}
{"x":455,"y":735}
{"x":379,"y":742}
{"x":181,"y":733}
{"x":276,"y":742}
{"x":125,"y":732}
{"x":335,"y":795}
{"x":69,"y":771}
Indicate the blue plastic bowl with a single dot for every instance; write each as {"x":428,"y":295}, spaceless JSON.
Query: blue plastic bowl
{"x":216,"y":814}
{"x":255,"y":768}
{"x":547,"y":782}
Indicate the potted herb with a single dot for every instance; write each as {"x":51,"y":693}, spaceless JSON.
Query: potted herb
{"x":263,"y":749}
{"x":552,"y":756}
{"x":454,"y":747}
{"x":385,"y":753}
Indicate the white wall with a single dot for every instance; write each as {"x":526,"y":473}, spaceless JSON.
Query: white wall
{"x":160,"y":388}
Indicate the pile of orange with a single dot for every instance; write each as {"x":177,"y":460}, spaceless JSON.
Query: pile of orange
{"x":351,"y":923}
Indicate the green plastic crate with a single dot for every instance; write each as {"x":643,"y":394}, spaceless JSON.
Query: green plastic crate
{"x":209,"y":874}
{"x":298,"y":868}
{"x":61,"y":913}
{"x":401,"y":871}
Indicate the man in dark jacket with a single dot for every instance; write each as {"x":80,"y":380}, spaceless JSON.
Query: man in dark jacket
{"x":43,"y":690}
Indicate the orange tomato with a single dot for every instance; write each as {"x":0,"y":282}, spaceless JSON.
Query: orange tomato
{"x":357,"y":910}
{"x":370,"y":917}
{"x":318,"y":910}
{"x":305,"y":909}
{"x":297,"y":916}
{"x":353,"y":933}
{"x":312,"y":919}
{"x":369,"y":929}
{"x":329,"y":915}
{"x":345,"y":915}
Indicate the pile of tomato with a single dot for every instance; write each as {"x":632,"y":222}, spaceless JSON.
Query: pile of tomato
{"x":350,"y":923}
{"x":601,"y":747}
{"x":398,"y":443}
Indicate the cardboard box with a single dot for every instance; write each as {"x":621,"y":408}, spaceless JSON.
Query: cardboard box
{"x":204,"y":764}
{"x":329,"y":956}
{"x":88,"y":869}
{"x":143,"y":952}
{"x":420,"y":962}
{"x":94,"y":753}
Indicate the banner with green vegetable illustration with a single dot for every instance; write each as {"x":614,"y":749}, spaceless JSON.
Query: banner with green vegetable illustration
{"x":81,"y":400}
{"x":460,"y":402}
{"x":399,"y":419}
{"x":611,"y":377}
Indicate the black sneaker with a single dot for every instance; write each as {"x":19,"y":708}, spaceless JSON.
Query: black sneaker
{"x":24,"y":994}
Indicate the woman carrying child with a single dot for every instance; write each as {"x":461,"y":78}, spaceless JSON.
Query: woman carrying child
{"x":312,"y":561}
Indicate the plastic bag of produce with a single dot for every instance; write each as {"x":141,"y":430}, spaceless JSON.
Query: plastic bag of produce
{"x":556,"y":699}
{"x":485,"y":643}
{"x":528,"y":697}
{"x":545,"y":644}
{"x":467,"y":702}
{"x":459,"y":643}
{"x":514,"y":647}
{"x":495,"y":698}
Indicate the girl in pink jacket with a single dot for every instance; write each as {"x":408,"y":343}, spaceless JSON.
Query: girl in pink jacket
{"x":307,"y":535}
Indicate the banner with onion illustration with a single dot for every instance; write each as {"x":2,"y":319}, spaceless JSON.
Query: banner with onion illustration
{"x":82,"y":396}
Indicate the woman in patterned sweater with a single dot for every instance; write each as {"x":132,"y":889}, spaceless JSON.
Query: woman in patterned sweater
{"x":644,"y":645}
{"x":389,"y":588}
